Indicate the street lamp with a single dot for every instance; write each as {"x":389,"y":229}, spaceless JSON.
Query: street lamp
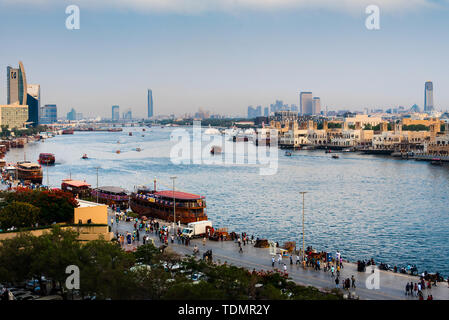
{"x":174,"y":205}
{"x":303,"y":241}
{"x":97,"y":182}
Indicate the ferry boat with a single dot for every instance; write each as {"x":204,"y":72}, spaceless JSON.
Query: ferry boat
{"x":159,"y":204}
{"x":46,"y":158}
{"x":29,"y":171}
{"x":67,"y":131}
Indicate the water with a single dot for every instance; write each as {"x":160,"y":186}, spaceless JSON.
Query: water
{"x":363,"y":205}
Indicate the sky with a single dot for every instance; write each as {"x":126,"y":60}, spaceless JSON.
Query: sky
{"x":224,"y":55}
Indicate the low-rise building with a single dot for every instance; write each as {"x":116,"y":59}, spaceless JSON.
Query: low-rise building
{"x":13,"y":116}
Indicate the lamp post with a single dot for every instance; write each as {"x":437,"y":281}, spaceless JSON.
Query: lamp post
{"x":174,"y":206}
{"x":97,"y":182}
{"x":303,"y":241}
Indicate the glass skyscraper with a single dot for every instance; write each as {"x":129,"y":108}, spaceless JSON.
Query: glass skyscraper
{"x":115,"y":113}
{"x":428,"y":96}
{"x":49,"y":114}
{"x":34,"y":103}
{"x":16,"y":85}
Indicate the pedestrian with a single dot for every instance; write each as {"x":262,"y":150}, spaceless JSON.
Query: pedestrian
{"x":204,"y":241}
{"x":407,"y":288}
{"x":291,"y":259}
{"x":285,"y":268}
{"x":337,"y":283}
{"x":332,"y":271}
{"x":272,"y":261}
{"x":353,"y":281}
{"x":279,"y":258}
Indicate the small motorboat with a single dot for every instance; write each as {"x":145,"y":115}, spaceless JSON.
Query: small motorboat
{"x":328,"y":151}
{"x":138,"y":149}
{"x":130,"y":134}
{"x":216,"y":150}
{"x":335,"y":156}
{"x":118,"y":151}
{"x":288,"y":153}
{"x":84,"y":156}
{"x":143,"y":129}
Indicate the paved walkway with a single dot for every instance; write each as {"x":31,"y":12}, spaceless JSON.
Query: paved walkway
{"x":391,"y":285}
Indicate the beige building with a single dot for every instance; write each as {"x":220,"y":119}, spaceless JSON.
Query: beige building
{"x":363,"y":119}
{"x":13,"y":115}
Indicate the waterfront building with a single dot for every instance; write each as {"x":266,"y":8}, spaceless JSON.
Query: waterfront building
{"x":16,"y":85}
{"x":49,"y":114}
{"x":115,"y":113}
{"x":363,"y":119}
{"x":306,"y":103}
{"x":13,"y":116}
{"x":428,"y":96}
{"x":34,"y":103}
{"x":150,"y":103}
{"x":294,"y":137}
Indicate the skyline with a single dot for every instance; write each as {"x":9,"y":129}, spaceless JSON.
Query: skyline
{"x":223,"y":62}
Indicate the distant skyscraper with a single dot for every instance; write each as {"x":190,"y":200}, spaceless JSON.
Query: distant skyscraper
{"x":49,"y":114}
{"x":71,"y":116}
{"x":115,"y":113}
{"x":34,"y":103}
{"x":316,"y":105}
{"x":16,"y":85}
{"x":128,"y":115}
{"x":266,"y":112}
{"x":428,"y":96}
{"x":306,"y":103}
{"x":150,"y":103}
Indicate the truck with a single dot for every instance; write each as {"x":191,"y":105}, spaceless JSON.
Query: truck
{"x":196,"y":229}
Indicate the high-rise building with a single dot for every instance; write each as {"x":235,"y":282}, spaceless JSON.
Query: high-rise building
{"x":34,"y":103}
{"x":16,"y":85}
{"x":150,"y":103}
{"x":428,"y":96}
{"x":49,"y":114}
{"x":115,"y":113}
{"x":306,"y":103}
{"x":316,"y":105}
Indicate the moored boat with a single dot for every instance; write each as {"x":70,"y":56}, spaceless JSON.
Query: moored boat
{"x":46,"y":158}
{"x":84,"y":156}
{"x":159,"y":204}
{"x":215,"y":150}
{"x":29,"y":171}
{"x":67,"y":131}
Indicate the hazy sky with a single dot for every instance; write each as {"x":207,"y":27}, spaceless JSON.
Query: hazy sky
{"x":223,"y":55}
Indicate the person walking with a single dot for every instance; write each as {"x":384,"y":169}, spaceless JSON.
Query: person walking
{"x":291,"y":259}
{"x":272,"y":261}
{"x":204,"y":241}
{"x":353,"y":281}
{"x":279,"y":258}
{"x":337,"y":283}
{"x":407,"y":288}
{"x":332,"y":271}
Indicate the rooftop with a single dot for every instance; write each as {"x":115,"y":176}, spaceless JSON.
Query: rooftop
{"x":178,"y":195}
{"x":76,"y":183}
{"x":112,"y":189}
{"x":85,"y":204}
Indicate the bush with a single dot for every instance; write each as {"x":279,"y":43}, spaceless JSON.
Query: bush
{"x":18,"y":214}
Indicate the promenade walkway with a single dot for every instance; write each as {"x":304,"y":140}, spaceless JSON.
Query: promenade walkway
{"x":391,"y":285}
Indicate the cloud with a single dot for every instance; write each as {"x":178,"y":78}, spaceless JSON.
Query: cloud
{"x":201,"y":6}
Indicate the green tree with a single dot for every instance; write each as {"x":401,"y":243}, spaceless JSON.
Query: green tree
{"x":19,"y":215}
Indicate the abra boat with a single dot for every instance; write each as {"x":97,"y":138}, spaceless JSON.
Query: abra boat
{"x":84,"y":156}
{"x":159,"y":204}
{"x":46,"y":158}
{"x":67,"y":131}
{"x":335,"y":156}
{"x":29,"y":171}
